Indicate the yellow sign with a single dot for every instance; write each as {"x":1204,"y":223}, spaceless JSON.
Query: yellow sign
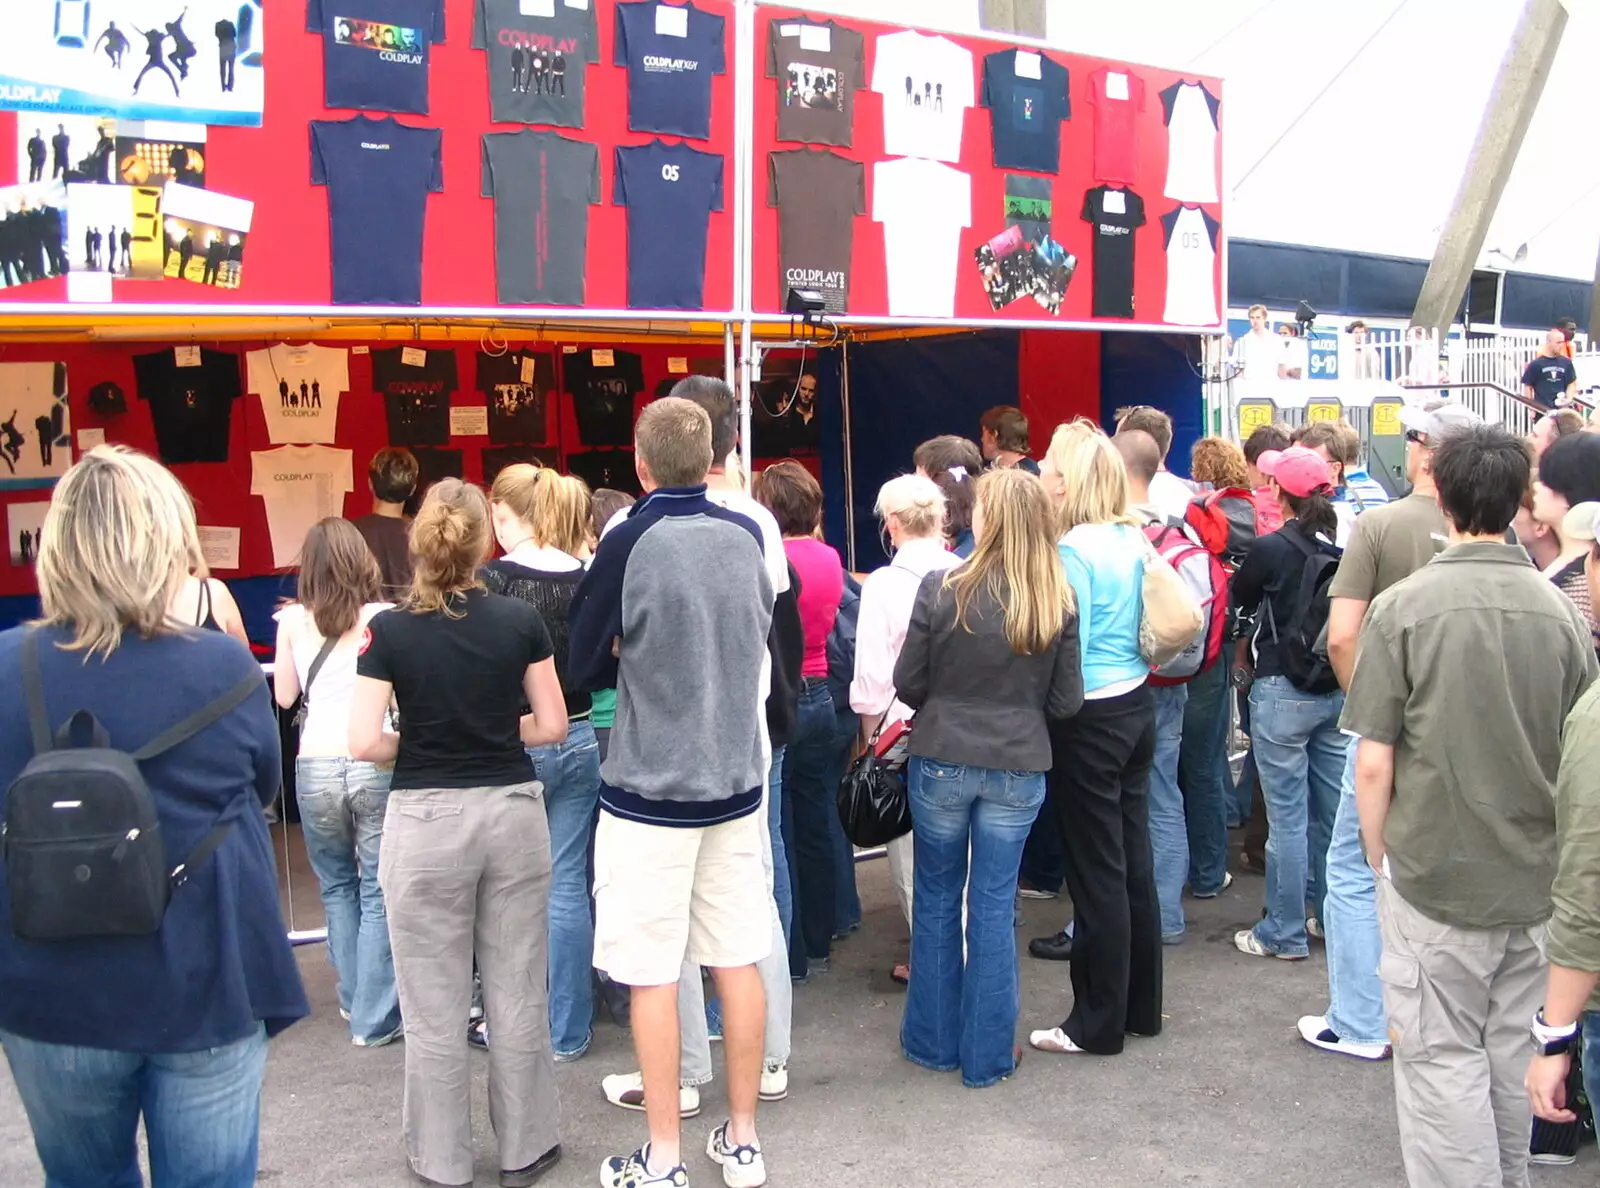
{"x":1386,"y":418}
{"x":1323,"y":410}
{"x":1253,"y":414}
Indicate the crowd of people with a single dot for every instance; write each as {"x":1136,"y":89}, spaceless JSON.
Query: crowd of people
{"x":561,"y":753}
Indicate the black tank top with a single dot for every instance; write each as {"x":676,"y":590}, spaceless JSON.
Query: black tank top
{"x":207,"y":619}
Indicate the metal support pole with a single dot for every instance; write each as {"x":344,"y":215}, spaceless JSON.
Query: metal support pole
{"x":849,"y":463}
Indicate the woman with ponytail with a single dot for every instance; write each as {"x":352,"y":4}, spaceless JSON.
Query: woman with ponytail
{"x":1294,"y":730}
{"x":992,"y":649}
{"x":541,"y":520}
{"x":466,"y":849}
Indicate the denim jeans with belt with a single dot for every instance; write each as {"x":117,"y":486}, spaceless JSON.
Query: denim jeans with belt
{"x":1301,"y":754}
{"x":1350,"y":918}
{"x":201,"y":1111}
{"x":1203,"y":776}
{"x":1169,"y":832}
{"x":962,"y":1012}
{"x":342,"y":805}
{"x":570,"y":773}
{"x":809,"y":801}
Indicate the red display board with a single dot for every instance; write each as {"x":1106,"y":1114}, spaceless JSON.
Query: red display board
{"x":1142,"y":143}
{"x":286,"y":263}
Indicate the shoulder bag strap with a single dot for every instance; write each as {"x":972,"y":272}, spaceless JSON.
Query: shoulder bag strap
{"x":316,"y":666}
{"x":200,"y":719}
{"x":208,"y":845}
{"x":203,"y":605}
{"x":33,"y":690}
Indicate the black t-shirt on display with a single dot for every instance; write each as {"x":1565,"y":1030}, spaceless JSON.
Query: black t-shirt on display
{"x":459,"y":685}
{"x":432,"y":465}
{"x":375,"y":52}
{"x":819,"y":67}
{"x":670,"y":191}
{"x":1116,"y":214}
{"x":497,"y":458}
{"x":514,"y":386}
{"x":606,"y":468}
{"x":1549,"y":379}
{"x":537,"y":53}
{"x":602,"y":396}
{"x":192,"y":407}
{"x":416,"y":397}
{"x":379,"y":174}
{"x":542,"y":185}
{"x":671,"y":51}
{"x":1026,"y":111}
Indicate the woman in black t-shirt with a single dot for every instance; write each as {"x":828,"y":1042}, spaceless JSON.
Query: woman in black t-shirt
{"x":541,"y":519}
{"x":466,"y":856}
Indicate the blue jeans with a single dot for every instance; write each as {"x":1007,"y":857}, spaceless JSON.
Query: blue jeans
{"x":963,"y":1013}
{"x":1350,"y":917}
{"x":342,"y":804}
{"x":846,"y":899}
{"x":201,"y":1110}
{"x":809,"y":800}
{"x":570,"y":773}
{"x":1202,"y":768}
{"x":782,"y":889}
{"x":1301,"y":753}
{"x":1591,"y":1058}
{"x":1169,"y":834}
{"x":1243,"y":790}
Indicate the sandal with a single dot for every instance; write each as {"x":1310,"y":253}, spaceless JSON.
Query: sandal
{"x":478,"y":1034}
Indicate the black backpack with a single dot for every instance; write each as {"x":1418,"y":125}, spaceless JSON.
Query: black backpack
{"x":81,"y":839}
{"x":1303,"y":641}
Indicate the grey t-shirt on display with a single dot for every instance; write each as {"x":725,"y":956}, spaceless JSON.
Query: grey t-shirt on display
{"x":542,"y":185}
{"x":536,"y":63}
{"x":818,"y":194}
{"x":819,"y":67}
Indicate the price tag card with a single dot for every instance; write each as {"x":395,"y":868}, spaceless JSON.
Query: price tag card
{"x":677,"y":365}
{"x":816,"y":38}
{"x":89,"y":438}
{"x":672,"y":22}
{"x":789,"y":30}
{"x":528,"y":365}
{"x":605,"y":358}
{"x":1115,"y":202}
{"x":413,"y":356}
{"x":1116,"y":86}
{"x":569,"y":350}
{"x":186,"y":356}
{"x":219,"y":546}
{"x":537,"y":8}
{"x":469,"y":422}
{"x":361,"y":349}
{"x":577,"y":3}
{"x":1029,"y":65}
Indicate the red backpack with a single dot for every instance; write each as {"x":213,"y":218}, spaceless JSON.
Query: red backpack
{"x":1204,"y":576}
{"x":1225,"y":523}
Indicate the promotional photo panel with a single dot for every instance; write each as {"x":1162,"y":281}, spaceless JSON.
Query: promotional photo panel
{"x":24,"y":530}
{"x":114,"y":229}
{"x":66,"y":148}
{"x":33,"y":233}
{"x":35,"y":427}
{"x":150,"y":152}
{"x":198,"y":61}
{"x":205,"y":236}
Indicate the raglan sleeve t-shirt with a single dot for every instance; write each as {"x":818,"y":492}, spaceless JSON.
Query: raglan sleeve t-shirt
{"x":375,"y":52}
{"x":670,"y":51}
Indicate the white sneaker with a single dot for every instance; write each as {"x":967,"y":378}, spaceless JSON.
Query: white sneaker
{"x":742,"y":1166}
{"x":633,"y":1171}
{"x":627,"y":1090}
{"x":1227,"y":881}
{"x":774,"y":1081}
{"x":1247,"y":942}
{"x":1314,"y":928}
{"x":380,"y":1041}
{"x":1315,"y":1031}
{"x":1055,"y":1040}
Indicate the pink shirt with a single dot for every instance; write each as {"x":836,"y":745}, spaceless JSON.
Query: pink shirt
{"x":821,"y":586}
{"x":1269,"y":516}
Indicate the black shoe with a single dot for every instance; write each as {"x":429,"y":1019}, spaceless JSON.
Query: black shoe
{"x":618,"y":1001}
{"x":1052,"y":948}
{"x":524,"y":1176}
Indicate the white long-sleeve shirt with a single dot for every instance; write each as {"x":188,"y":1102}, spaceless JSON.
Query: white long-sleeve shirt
{"x":887,"y":598}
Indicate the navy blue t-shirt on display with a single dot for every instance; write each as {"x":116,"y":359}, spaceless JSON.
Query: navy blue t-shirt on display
{"x":670,"y":191}
{"x":379,"y":174}
{"x":1026,"y":94}
{"x":375,"y":52}
{"x":671,"y":51}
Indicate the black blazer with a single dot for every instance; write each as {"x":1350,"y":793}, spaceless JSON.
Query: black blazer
{"x":978,"y":702}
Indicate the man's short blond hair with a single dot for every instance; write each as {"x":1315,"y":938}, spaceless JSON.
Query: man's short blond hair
{"x":673,"y":440}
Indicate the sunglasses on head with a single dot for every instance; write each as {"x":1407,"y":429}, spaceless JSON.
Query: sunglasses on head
{"x":1417,"y":437}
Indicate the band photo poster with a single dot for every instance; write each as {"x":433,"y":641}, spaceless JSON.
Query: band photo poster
{"x":197,"y":61}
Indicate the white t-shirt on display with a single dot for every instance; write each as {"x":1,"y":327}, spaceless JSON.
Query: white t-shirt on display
{"x":326,"y":733}
{"x":927,"y":85}
{"x":299,"y":388}
{"x":923,"y":207}
{"x":299,"y":485}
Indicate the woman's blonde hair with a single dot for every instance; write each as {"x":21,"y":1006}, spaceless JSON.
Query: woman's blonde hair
{"x":118,"y":543}
{"x":449,"y":540}
{"x":1093,"y":478}
{"x":1016,"y":561}
{"x":917,"y":501}
{"x":555,"y":507}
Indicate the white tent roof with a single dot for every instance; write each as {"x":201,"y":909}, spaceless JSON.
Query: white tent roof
{"x":1373,"y":163}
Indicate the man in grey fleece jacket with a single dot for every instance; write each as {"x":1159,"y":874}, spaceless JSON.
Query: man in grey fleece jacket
{"x":678,"y":865}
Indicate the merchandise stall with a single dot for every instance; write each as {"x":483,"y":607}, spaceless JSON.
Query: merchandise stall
{"x":262,"y":241}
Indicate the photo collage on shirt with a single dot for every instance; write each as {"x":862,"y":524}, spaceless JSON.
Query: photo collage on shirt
{"x":941,"y":195}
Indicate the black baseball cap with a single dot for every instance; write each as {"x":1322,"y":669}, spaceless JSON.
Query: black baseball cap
{"x":106,"y":397}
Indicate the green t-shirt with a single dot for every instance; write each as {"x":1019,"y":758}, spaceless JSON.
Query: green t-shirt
{"x":1389,"y":544}
{"x":603,"y":709}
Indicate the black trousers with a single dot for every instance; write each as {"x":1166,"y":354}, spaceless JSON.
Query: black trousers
{"x":1101,"y":788}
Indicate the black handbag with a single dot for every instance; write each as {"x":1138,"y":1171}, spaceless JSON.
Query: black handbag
{"x":874,"y":804}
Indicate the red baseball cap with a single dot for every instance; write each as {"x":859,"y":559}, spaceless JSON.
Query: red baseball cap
{"x":1297,"y":470}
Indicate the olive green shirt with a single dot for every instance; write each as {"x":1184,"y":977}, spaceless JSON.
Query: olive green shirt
{"x":1468,"y":668}
{"x":1388,"y":545}
{"x":1574,"y":936}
